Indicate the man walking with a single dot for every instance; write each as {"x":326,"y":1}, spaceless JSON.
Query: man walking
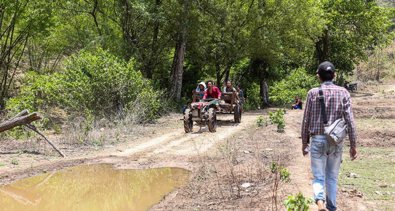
{"x":325,"y":155}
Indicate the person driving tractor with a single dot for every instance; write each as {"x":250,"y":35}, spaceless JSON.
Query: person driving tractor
{"x":212,"y":91}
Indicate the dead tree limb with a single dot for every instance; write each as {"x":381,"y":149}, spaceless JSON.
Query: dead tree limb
{"x":32,"y":127}
{"x":24,"y":118}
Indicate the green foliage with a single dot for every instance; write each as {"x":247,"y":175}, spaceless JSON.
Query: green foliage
{"x":353,"y":28}
{"x":297,"y":83}
{"x":97,"y":84}
{"x":14,"y":161}
{"x":223,"y":39}
{"x":298,"y":202}
{"x":281,"y":170}
{"x":261,"y":121}
{"x":253,"y":99}
{"x":277,"y":117}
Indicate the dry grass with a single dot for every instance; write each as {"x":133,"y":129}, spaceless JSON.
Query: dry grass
{"x":246,"y":159}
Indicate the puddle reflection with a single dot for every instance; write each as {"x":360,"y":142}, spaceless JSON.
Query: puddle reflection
{"x":92,"y":187}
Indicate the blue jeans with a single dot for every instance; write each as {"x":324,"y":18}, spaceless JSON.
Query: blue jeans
{"x":325,"y":165}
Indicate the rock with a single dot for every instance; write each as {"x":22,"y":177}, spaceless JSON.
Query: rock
{"x":246,"y":185}
{"x":269,"y":149}
{"x":378,"y":193}
{"x":352,"y":175}
{"x":102,"y":129}
{"x":383,"y":186}
{"x":246,"y":152}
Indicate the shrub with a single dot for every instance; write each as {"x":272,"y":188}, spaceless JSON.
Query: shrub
{"x":298,"y":83}
{"x":298,"y":203}
{"x":281,"y":174}
{"x":277,"y":117}
{"x":253,"y":98}
{"x":92,"y":83}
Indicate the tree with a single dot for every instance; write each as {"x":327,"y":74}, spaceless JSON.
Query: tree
{"x":179,"y":53}
{"x":351,"y":29}
{"x":19,"y":21}
{"x":281,"y":37}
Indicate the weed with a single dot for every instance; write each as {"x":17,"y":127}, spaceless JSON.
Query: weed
{"x":14,"y":161}
{"x":261,"y":121}
{"x":298,"y":202}
{"x":277,"y":117}
{"x":281,"y":174}
{"x":2,"y":164}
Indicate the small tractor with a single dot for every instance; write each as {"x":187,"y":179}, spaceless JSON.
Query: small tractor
{"x":205,"y":112}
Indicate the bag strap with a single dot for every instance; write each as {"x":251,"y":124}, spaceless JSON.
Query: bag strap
{"x":322,"y":101}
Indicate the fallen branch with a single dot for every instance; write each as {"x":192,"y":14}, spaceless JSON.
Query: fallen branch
{"x":25,"y":119}
{"x":32,"y":127}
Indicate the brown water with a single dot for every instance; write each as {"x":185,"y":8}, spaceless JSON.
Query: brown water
{"x":92,"y":187}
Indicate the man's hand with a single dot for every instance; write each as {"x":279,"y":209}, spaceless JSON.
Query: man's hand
{"x":353,"y":153}
{"x":305,"y":149}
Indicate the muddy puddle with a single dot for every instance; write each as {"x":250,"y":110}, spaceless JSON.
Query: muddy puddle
{"x":92,"y":187}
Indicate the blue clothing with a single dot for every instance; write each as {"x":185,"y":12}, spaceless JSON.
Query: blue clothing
{"x":198,"y":91}
{"x":325,"y":165}
{"x":297,"y":107}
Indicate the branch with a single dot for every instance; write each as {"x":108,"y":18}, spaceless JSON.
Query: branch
{"x":32,"y":127}
{"x":24,"y":118}
{"x":20,"y":119}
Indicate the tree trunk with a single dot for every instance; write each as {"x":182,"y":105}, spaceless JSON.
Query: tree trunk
{"x":260,"y":67}
{"x":179,"y":54}
{"x":218,"y":73}
{"x":150,"y":66}
{"x":227,"y":72}
{"x":264,"y":91}
{"x":94,"y":16}
{"x":322,"y":47}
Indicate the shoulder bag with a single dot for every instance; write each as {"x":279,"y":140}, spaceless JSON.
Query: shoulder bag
{"x":335,"y":132}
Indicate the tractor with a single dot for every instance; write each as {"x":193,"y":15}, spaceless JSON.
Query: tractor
{"x":205,"y":111}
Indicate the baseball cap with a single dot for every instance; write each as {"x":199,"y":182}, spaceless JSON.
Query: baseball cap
{"x":326,"y":67}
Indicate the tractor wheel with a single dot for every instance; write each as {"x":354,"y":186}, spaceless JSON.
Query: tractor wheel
{"x":237,"y":113}
{"x":188,"y":123}
{"x":212,"y":120}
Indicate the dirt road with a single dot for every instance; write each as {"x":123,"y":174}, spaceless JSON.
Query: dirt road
{"x":221,"y":162}
{"x":157,"y":147}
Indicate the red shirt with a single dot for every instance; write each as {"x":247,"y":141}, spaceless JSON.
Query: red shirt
{"x":215,"y":93}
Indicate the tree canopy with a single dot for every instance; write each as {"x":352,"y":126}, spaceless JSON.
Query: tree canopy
{"x":177,"y":43}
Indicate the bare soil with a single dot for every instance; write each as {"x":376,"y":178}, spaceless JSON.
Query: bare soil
{"x":230,"y":169}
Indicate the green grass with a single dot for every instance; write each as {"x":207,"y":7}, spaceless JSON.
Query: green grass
{"x":374,"y":167}
{"x":14,"y":161}
{"x":2,"y":164}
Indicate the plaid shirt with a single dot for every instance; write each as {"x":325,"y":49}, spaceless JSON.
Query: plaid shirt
{"x":337,"y":105}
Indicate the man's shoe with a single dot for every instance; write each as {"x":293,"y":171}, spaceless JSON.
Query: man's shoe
{"x":321,"y":205}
